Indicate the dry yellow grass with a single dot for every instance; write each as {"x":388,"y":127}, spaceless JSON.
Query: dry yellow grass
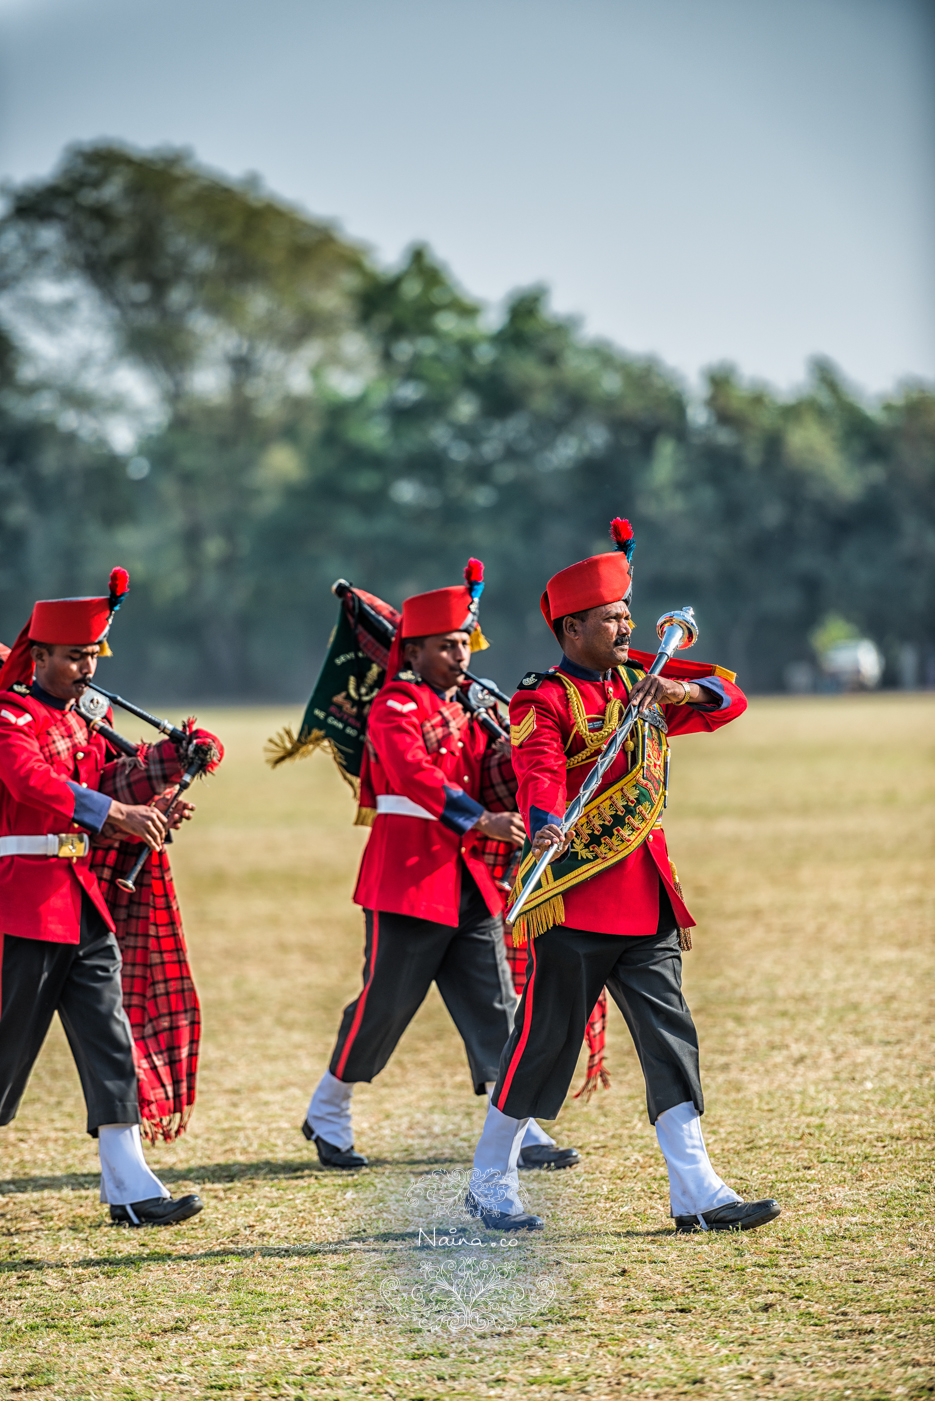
{"x":802,"y":834}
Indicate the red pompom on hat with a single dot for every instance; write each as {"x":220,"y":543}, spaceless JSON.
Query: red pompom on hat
{"x":591,"y":582}
{"x":75,"y":622}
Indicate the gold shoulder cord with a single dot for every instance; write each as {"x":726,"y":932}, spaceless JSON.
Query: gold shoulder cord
{"x":593,"y":739}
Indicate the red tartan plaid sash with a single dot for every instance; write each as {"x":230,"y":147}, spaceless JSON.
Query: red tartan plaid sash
{"x":158,"y":992}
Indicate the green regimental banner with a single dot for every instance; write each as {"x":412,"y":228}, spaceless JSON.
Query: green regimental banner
{"x":335,"y":718}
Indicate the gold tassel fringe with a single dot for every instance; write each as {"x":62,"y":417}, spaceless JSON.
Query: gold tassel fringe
{"x":104,"y":649}
{"x":365,"y":817}
{"x":285,"y":746}
{"x":538,"y":920}
{"x":479,"y":642}
{"x":685,"y":935}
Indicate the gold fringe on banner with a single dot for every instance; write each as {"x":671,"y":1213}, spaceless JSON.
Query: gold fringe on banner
{"x":285,"y":746}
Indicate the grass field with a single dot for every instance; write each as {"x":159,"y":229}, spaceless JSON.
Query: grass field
{"x":803,"y":839}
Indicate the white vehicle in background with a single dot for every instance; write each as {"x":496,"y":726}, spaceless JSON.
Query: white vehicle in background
{"x":855,"y":664}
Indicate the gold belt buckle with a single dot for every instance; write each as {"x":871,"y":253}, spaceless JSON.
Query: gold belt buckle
{"x":73,"y":844}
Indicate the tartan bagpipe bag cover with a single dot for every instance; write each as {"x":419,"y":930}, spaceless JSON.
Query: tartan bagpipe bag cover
{"x":159,"y":994}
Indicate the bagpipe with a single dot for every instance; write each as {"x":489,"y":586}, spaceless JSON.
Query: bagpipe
{"x":198,"y":755}
{"x":352,"y":673}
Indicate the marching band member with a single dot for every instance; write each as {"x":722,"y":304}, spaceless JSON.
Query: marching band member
{"x":610,"y":909}
{"x":431,"y":909}
{"x":58,"y":947}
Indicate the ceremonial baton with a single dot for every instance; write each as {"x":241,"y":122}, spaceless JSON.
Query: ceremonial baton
{"x":676,"y":630}
{"x":202,"y":757}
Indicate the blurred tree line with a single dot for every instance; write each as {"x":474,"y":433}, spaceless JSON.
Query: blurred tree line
{"x":237,"y":403}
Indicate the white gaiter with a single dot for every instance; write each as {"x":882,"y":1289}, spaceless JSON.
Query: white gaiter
{"x":535,"y":1134}
{"x":495,"y":1178}
{"x":125,"y":1178}
{"x":329,"y":1112}
{"x":694,"y":1186}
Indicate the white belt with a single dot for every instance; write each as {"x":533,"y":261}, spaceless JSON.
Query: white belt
{"x":70,"y":844}
{"x":395,"y":805}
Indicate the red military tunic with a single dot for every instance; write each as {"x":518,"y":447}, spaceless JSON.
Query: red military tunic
{"x":625,"y":898}
{"x":424,"y":755}
{"x":50,"y":769}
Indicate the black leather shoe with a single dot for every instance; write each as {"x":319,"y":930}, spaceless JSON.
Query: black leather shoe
{"x":329,"y":1155}
{"x":502,"y":1220}
{"x":736,"y":1216}
{"x":156,"y":1211}
{"x":544,"y":1155}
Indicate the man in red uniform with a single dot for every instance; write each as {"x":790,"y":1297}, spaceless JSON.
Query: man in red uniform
{"x":432,"y":911}
{"x":58,"y":947}
{"x":610,"y":910}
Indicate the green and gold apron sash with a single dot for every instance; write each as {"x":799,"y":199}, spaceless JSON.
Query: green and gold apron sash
{"x":614,"y":823}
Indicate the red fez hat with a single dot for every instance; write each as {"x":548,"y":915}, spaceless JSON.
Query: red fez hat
{"x":442,"y":610}
{"x":76,"y":622}
{"x":591,"y":582}
{"x":453,"y":609}
{"x":447,"y":610}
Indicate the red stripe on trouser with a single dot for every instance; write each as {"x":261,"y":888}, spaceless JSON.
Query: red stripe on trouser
{"x":527,"y":1024}
{"x":362,"y":1000}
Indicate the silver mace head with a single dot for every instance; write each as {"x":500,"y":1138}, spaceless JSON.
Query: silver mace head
{"x":682,"y":619}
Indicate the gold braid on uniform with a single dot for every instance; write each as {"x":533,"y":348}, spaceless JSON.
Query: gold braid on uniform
{"x":593,"y":739}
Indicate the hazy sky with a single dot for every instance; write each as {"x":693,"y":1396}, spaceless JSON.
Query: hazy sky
{"x":703,"y":179}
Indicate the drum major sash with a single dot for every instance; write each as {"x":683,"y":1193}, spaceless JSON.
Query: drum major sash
{"x":616,"y":821}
